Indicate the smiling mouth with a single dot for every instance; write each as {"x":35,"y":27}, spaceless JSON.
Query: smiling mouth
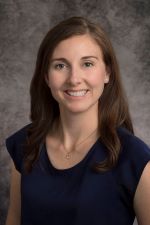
{"x":78,"y":93}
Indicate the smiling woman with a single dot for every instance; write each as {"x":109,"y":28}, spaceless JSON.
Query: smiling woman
{"x":78,"y":162}
{"x":76,"y":78}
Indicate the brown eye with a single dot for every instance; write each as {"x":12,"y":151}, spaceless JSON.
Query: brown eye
{"x":59,"y":66}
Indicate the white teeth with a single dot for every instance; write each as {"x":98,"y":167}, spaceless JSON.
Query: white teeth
{"x":77,"y":93}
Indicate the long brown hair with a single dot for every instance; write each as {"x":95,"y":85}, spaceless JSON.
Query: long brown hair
{"x":113,"y":107}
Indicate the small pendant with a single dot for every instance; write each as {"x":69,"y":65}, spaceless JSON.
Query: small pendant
{"x":68,"y":155}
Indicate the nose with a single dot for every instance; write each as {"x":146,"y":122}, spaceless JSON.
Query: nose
{"x":74,"y":76}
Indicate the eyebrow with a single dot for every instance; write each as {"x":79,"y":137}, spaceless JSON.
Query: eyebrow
{"x":65,"y":60}
{"x":90,"y":56}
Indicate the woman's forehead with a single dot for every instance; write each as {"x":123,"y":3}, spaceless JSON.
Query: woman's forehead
{"x":84,"y":45}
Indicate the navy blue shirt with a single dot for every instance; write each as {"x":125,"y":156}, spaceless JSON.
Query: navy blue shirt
{"x":78,"y":195}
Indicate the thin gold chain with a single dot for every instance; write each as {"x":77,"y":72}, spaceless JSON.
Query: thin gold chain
{"x":68,"y":154}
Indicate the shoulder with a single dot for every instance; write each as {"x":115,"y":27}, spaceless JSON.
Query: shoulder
{"x":18,"y":135}
{"x":15,"y":145}
{"x":134,"y":156}
{"x":132,"y":144}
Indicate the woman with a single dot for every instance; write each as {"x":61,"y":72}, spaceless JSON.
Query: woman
{"x":78,"y":162}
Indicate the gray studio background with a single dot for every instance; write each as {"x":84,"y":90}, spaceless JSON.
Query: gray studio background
{"x":23,"y":24}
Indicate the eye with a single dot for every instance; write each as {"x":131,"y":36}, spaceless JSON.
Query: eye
{"x":88,"y":64}
{"x":59,"y":66}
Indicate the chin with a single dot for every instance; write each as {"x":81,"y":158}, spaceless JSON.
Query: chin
{"x":77,"y":109}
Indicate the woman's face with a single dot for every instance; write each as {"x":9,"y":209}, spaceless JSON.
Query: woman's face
{"x":77,"y":74}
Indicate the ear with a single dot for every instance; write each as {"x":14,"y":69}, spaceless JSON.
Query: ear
{"x":106,"y":80}
{"x":107,"y":75}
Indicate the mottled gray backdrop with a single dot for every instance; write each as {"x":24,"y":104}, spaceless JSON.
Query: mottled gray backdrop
{"x":23,"y":24}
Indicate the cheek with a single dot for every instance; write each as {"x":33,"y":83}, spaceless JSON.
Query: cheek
{"x":54,"y":82}
{"x":97,"y":80}
{"x":53,"y":85}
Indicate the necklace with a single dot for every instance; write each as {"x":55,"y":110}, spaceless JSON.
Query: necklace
{"x":68,"y":154}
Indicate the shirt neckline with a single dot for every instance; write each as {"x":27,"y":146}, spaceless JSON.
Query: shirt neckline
{"x":72,"y":168}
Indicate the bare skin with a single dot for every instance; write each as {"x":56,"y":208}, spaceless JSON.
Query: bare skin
{"x":142,"y":198}
{"x":13,"y":216}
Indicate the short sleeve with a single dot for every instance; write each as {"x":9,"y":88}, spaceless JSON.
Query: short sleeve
{"x":15,"y":146}
{"x":134,"y":157}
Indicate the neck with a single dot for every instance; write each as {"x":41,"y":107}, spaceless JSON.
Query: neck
{"x":75,"y":128}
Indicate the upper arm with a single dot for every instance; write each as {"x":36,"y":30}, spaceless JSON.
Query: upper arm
{"x":13,"y":216}
{"x":142,"y":198}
